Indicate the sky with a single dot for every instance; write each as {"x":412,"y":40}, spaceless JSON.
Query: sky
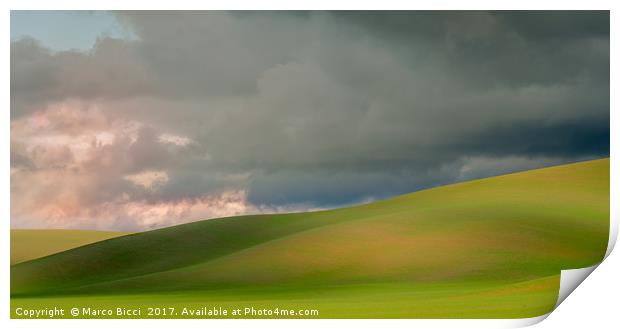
{"x":138,"y":120}
{"x":65,"y":30}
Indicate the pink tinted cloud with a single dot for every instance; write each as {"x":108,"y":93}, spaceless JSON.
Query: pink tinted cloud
{"x":74,"y":167}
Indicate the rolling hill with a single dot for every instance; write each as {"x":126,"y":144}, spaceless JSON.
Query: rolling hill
{"x":492,"y":247}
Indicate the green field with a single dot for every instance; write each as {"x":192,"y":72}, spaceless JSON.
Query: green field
{"x":489,"y":248}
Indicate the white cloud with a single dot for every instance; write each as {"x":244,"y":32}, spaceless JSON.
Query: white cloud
{"x":150,"y":180}
{"x":175,"y":139}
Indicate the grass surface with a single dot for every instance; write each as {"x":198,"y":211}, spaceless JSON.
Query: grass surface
{"x":387,"y":300}
{"x":31,"y":244}
{"x":486,"y":248}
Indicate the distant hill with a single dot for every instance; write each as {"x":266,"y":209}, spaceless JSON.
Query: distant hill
{"x":491,"y":247}
{"x":31,"y":244}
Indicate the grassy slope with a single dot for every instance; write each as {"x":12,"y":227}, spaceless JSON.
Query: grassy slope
{"x":480,"y":249}
{"x":31,"y":244}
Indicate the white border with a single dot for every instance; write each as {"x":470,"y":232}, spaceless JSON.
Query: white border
{"x":595,"y":303}
{"x":317,"y":5}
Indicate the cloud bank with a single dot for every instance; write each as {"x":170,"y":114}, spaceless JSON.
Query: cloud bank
{"x":209,"y":114}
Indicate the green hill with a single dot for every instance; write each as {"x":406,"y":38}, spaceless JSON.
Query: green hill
{"x":31,"y":244}
{"x":486,"y":248}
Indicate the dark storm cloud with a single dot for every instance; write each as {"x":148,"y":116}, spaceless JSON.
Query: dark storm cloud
{"x":546,"y":25}
{"x":536,"y":138}
{"x":519,"y":48}
{"x":326,"y":108}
